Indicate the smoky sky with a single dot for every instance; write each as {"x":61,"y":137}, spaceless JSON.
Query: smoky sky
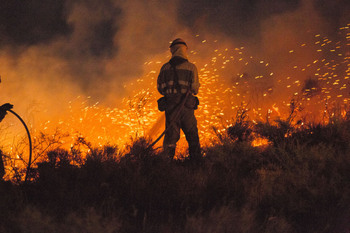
{"x":31,"y":22}
{"x":28,"y":22}
{"x":102,"y":39}
{"x":241,"y":19}
{"x":25,"y":23}
{"x":235,"y":18}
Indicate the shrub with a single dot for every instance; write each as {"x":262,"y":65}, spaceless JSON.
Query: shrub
{"x":299,"y":184}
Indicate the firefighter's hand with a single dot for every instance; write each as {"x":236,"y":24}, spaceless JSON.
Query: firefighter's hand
{"x":3,"y":110}
{"x":6,"y":107}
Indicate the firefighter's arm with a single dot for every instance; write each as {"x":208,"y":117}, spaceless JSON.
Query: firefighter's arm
{"x":195,"y":81}
{"x":160,"y":82}
{"x":3,"y":110}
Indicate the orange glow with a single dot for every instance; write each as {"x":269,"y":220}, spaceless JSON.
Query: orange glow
{"x":230,"y":76}
{"x":259,"y":142}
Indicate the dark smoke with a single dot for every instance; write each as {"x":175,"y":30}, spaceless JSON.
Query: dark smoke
{"x":30,"y":22}
{"x":238,"y":19}
{"x":94,"y":47}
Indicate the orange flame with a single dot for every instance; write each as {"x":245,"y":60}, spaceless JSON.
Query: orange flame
{"x":229,"y":77}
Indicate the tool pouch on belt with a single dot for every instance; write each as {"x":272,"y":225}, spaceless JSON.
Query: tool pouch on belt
{"x":169,"y":101}
{"x":161,"y":104}
{"x":192,"y":102}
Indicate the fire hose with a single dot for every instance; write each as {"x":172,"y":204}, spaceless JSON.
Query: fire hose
{"x":173,"y":120}
{"x":30,"y":143}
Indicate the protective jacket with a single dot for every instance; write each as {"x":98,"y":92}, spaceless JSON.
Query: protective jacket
{"x":187,"y":75}
{"x":175,"y":78}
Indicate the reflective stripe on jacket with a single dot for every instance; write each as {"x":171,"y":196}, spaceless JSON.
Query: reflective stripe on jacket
{"x":187,"y":77}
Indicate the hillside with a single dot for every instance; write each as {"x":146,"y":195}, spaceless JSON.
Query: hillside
{"x":299,"y":182}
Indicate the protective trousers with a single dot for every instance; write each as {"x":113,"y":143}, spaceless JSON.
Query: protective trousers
{"x":186,"y":121}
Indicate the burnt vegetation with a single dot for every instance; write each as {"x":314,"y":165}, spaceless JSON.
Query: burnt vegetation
{"x":299,"y":182}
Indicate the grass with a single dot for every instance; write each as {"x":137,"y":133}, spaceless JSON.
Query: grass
{"x":299,"y":183}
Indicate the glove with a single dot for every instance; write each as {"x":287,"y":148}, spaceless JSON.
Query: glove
{"x":3,"y":110}
{"x":6,"y":107}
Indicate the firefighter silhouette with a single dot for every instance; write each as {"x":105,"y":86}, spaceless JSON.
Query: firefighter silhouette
{"x":178,"y":81}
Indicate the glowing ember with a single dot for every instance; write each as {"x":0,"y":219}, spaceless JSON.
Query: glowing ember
{"x":258,"y":142}
{"x":229,"y":77}
{"x":226,"y":81}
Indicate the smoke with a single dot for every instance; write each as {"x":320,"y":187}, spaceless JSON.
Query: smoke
{"x":92,"y":49}
{"x":146,"y":29}
{"x":285,"y":32}
{"x":289,"y":41}
{"x":54,"y":51}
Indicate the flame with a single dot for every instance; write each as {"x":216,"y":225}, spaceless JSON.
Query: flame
{"x":260,"y":142}
{"x":231,"y":76}
{"x":275,"y":108}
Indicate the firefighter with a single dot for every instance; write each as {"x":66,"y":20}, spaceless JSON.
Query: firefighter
{"x":176,"y":78}
{"x":3,"y":111}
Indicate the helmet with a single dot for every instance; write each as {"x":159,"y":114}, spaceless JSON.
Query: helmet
{"x":178,"y":41}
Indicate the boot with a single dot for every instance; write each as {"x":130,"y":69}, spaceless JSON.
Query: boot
{"x":169,"y":152}
{"x":195,"y":155}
